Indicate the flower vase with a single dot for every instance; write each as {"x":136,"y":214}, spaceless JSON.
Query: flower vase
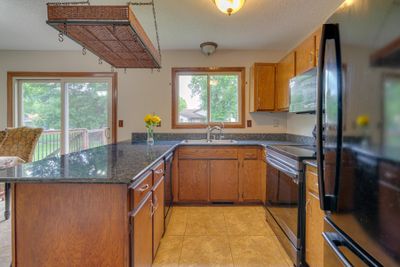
{"x":150,"y":136}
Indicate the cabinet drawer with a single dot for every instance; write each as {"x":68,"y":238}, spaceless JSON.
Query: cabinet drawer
{"x":158,"y":172}
{"x":312,"y":180}
{"x":140,"y":190}
{"x":250,"y":153}
{"x":207,"y":153}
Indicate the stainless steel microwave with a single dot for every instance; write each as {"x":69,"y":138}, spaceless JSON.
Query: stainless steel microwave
{"x":303,"y":92}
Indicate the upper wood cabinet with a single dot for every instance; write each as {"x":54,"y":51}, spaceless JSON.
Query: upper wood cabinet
{"x":306,"y":55}
{"x":262,"y":87}
{"x":317,"y":44}
{"x":286,"y":69}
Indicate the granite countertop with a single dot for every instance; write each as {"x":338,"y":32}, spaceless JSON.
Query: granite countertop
{"x":120,"y":163}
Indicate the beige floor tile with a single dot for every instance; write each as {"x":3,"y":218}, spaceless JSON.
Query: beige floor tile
{"x":206,"y":251}
{"x":256,"y":251}
{"x":169,"y":252}
{"x":178,"y":221}
{"x":250,"y":223}
{"x":205,"y":223}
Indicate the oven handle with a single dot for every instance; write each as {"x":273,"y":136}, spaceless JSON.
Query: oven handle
{"x":281,"y":167}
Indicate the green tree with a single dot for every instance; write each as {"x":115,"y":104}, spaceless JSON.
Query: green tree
{"x":87,"y":105}
{"x":182,"y":104}
{"x":223,"y":96}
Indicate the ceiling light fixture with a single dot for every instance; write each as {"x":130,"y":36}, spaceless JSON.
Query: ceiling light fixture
{"x":229,"y":6}
{"x":208,"y":48}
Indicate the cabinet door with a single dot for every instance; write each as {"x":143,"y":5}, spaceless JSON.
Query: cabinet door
{"x":314,"y":229}
{"x":317,"y":44}
{"x":305,"y":55}
{"x":143,"y":234}
{"x":158,"y":214}
{"x":262,"y":87}
{"x":224,"y":180}
{"x":250,"y":178}
{"x":193,"y":180}
{"x":284,"y":72}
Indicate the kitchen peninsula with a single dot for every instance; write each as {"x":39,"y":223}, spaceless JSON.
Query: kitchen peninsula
{"x":104,"y":206}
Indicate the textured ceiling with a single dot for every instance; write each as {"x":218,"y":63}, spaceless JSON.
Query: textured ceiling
{"x":183,"y":24}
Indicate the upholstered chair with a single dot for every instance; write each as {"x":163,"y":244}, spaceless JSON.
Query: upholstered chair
{"x":17,"y":142}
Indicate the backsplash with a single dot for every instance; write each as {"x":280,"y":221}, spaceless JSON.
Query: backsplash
{"x":140,"y":137}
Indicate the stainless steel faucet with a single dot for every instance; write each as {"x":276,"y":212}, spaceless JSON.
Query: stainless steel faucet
{"x":213,"y":128}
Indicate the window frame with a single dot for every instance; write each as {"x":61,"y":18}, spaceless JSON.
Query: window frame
{"x":12,"y":86}
{"x":240,"y":71}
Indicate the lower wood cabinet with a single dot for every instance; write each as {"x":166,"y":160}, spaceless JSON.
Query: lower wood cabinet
{"x":142,"y":233}
{"x":314,"y":221}
{"x":193,"y":180}
{"x":158,"y":214}
{"x":251,"y":180}
{"x":224,"y":180}
{"x":219,"y":174}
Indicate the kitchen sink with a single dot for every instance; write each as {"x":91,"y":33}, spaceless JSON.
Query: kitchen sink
{"x":211,"y":142}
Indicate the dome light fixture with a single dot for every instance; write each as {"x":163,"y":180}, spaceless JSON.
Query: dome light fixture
{"x":208,"y":48}
{"x":229,"y":6}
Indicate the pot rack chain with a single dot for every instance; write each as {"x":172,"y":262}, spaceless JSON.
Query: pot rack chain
{"x":151,"y":3}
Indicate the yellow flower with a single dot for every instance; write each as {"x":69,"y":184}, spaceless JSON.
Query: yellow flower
{"x":156,"y":119}
{"x":362,"y":120}
{"x":148,"y":118}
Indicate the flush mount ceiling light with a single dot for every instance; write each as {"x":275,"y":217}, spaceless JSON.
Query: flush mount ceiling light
{"x":208,"y":48}
{"x":229,"y":6}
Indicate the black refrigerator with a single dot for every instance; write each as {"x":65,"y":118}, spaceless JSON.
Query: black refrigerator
{"x":358,"y":134}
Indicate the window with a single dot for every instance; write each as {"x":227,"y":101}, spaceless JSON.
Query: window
{"x":74,"y":112}
{"x":208,"y":96}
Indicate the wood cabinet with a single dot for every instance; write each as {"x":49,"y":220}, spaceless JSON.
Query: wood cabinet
{"x":158,"y":214}
{"x":224,"y":180}
{"x":193,"y":180}
{"x":314,"y":220}
{"x":249,"y":175}
{"x":142,"y":234}
{"x":219,"y":174}
{"x":306,"y":55}
{"x":262,"y":87}
{"x":286,"y":69}
{"x":317,"y":44}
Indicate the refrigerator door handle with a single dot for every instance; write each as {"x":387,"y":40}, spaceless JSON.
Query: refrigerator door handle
{"x":329,"y":32}
{"x":335,"y":241}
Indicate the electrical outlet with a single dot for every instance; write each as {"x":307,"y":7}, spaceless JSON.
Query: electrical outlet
{"x":121,"y":123}
{"x":275,"y":123}
{"x":159,"y":124}
{"x":249,"y":123}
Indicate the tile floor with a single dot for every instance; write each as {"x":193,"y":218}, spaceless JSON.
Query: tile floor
{"x":220,"y":236}
{"x":5,"y":239}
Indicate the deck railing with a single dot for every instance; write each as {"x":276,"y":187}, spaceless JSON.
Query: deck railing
{"x":49,"y":143}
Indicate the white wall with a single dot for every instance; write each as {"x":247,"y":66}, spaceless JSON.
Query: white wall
{"x":300,"y":124}
{"x":141,"y":92}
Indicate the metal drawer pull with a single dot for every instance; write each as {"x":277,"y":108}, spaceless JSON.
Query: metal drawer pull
{"x":160,"y":171}
{"x":144,"y":188}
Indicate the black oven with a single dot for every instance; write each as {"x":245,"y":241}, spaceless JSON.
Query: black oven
{"x":285,"y":200}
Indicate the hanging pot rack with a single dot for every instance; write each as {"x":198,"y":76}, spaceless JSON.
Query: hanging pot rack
{"x":113,"y":33}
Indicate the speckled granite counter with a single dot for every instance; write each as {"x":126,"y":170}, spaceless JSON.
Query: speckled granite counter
{"x":120,"y":163}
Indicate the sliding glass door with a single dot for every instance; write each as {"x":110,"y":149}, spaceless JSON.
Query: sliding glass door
{"x":75,"y":114}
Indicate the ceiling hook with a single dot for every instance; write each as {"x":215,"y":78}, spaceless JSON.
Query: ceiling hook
{"x":152,"y":70}
{"x":100,"y":61}
{"x":84,"y":51}
{"x":60,"y":36}
{"x":125,"y":70}
{"x":158,"y":69}
{"x":112,"y":68}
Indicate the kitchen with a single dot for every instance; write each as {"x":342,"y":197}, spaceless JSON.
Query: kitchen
{"x":303,"y":163}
